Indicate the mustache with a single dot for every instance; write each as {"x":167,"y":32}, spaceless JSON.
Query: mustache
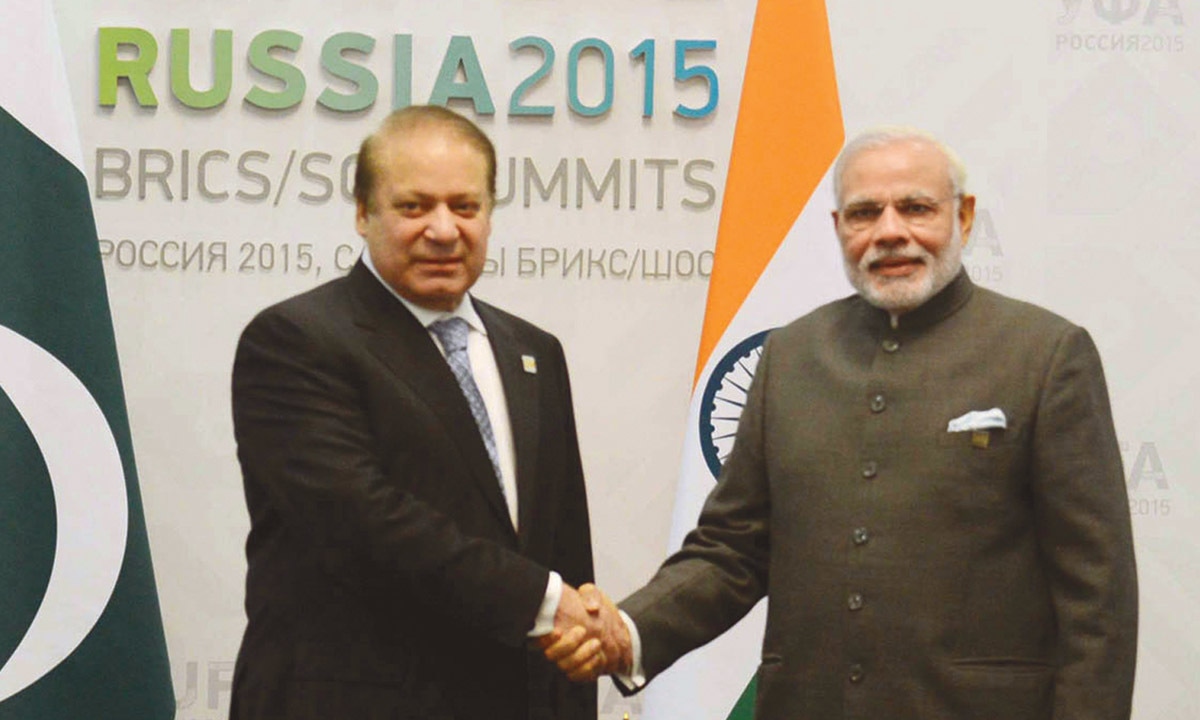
{"x":877,"y":255}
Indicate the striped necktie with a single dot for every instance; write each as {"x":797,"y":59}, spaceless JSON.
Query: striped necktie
{"x":452,"y":333}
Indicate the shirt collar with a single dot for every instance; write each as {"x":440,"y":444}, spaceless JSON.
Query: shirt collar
{"x":425,"y":316}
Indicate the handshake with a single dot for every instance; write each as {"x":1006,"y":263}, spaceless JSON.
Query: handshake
{"x":589,"y":638}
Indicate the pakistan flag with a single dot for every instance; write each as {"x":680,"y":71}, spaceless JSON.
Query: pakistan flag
{"x":80,"y":630}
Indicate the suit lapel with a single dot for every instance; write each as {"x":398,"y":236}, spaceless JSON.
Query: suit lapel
{"x":521,"y":396}
{"x":394,"y":336}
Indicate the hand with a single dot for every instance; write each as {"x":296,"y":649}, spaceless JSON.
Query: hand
{"x":615,"y":642}
{"x":574,"y":644}
{"x":579,"y":657}
{"x":588,"y":645}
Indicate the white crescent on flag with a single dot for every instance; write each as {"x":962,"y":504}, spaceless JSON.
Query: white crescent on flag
{"x":91,"y":507}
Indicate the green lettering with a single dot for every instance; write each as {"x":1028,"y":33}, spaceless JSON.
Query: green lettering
{"x":402,"y":72}
{"x":333,"y":60}
{"x":137,"y":70}
{"x":289,"y":75}
{"x":461,"y":54}
{"x":181,"y":74}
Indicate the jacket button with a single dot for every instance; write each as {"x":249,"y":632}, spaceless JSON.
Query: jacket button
{"x":857,"y":673}
{"x":891,"y":345}
{"x":878,"y":403}
{"x":855,"y":601}
{"x":861,"y":536}
{"x":870,"y":469}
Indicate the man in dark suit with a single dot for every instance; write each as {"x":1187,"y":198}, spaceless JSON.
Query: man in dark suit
{"x":411,"y":467}
{"x":925,"y":481}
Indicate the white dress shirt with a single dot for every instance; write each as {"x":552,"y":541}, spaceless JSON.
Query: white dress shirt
{"x":487,"y":379}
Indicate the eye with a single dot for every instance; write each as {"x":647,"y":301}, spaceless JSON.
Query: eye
{"x":917,"y":208}
{"x":862,"y":213}
{"x":466,"y":209}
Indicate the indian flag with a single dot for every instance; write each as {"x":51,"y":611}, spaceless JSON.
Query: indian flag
{"x":80,"y":631}
{"x":776,"y":259}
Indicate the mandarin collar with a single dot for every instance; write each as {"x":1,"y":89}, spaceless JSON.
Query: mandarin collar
{"x":945,"y":303}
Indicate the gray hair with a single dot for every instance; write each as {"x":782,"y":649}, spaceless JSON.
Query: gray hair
{"x":887,"y":135}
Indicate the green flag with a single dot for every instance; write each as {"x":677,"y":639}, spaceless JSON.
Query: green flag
{"x":80,"y":629}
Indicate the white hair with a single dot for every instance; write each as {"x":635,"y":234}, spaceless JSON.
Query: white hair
{"x":890,"y":134}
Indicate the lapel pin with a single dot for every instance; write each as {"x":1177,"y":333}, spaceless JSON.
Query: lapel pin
{"x":529,"y":362}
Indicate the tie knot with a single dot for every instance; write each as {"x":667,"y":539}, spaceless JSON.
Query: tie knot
{"x":452,"y":333}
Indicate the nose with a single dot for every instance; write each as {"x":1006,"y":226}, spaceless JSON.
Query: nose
{"x":443,"y":225}
{"x":890,"y":228}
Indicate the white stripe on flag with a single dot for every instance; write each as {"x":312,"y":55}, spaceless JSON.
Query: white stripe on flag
{"x":804,"y":274}
{"x":33,"y":76}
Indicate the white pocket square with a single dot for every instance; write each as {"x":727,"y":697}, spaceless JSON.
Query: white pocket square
{"x":978,"y":420}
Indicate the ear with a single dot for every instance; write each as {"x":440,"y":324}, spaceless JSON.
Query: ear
{"x":966,"y":216}
{"x":360,"y":219}
{"x":836,"y":221}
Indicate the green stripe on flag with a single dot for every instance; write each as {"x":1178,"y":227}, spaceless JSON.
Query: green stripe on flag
{"x":26,"y":522}
{"x":52,"y":295}
{"x":743,"y":709}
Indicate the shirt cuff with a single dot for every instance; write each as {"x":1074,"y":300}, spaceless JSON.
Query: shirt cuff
{"x":636,"y":679}
{"x":544,"y":623}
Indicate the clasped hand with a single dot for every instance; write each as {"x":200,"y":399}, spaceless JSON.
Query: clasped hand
{"x":589,"y":637}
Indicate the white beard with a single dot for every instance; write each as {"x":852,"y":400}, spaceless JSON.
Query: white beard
{"x":902,"y":294}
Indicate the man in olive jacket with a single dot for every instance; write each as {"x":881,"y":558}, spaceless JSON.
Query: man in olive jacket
{"x":926,"y":484}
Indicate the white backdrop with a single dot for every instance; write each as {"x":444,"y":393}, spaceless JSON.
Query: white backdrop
{"x":1077,"y":120}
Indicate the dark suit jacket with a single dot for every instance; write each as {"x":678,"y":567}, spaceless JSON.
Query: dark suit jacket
{"x":385,"y":579}
{"x":914,"y":573}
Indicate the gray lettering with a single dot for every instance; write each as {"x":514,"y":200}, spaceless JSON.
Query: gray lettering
{"x":348,"y":168}
{"x":126,"y":253}
{"x":574,"y":262}
{"x":217,"y":256}
{"x":526,"y":265}
{"x":596,"y":263}
{"x":558,"y":179}
{"x":121,"y":172}
{"x":263,"y":182}
{"x":317,"y":178}
{"x":689,"y":177}
{"x":194,"y":257}
{"x":220,"y":678}
{"x":1148,"y":466}
{"x":611,"y":178}
{"x":549,"y":259}
{"x":202,"y":174}
{"x":660,"y":165}
{"x":1116,"y":11}
{"x":1169,"y":8}
{"x":161,"y":175}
